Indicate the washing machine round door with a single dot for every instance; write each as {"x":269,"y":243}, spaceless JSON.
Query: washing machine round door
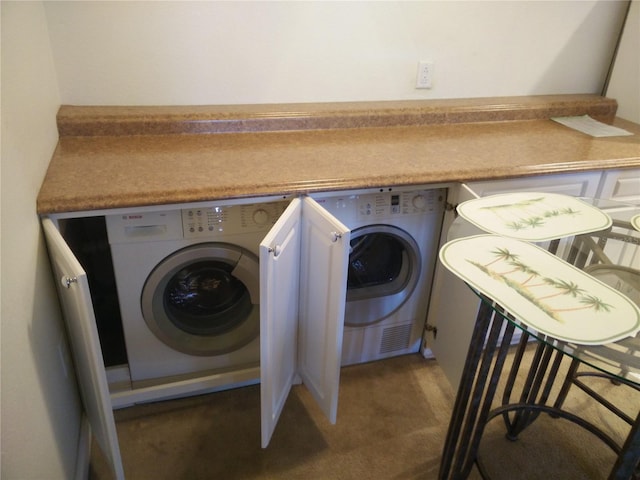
{"x":384,"y":268}
{"x":204,"y":299}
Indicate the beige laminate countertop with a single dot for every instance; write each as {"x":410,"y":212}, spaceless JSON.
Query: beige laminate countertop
{"x":112,"y":157}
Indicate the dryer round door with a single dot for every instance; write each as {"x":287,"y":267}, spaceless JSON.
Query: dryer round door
{"x":384,"y":268}
{"x":204,"y":299}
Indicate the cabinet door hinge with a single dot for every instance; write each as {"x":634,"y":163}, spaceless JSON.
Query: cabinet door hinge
{"x":431,"y":328}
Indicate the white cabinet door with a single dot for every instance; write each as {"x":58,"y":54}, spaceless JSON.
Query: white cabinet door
{"x":453,"y":306}
{"x":323,"y":286}
{"x":73,"y":291}
{"x":303,"y":273}
{"x":279,"y":290}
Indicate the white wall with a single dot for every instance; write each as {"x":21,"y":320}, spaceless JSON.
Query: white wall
{"x":138,"y":53}
{"x":40,"y":408}
{"x":146,"y":53}
{"x":625,"y":78}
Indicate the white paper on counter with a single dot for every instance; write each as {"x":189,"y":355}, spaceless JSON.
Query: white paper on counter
{"x":588,"y":125}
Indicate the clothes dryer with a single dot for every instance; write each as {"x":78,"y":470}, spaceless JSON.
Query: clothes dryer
{"x":394,"y":242}
{"x":188,"y":287}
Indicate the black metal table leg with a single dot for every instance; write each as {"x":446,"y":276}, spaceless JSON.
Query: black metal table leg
{"x":627,"y":466}
{"x":473,"y":405}
{"x":537,"y":387}
{"x":482,"y":371}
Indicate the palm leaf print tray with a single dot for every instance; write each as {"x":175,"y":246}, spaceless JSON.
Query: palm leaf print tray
{"x":541,"y":290}
{"x":534,"y":216}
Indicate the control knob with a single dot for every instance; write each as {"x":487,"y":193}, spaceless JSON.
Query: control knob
{"x":260,"y":216}
{"x":419,"y":202}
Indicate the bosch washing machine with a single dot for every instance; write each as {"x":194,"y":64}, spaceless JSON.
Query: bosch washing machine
{"x":394,"y":244}
{"x":188,"y":286}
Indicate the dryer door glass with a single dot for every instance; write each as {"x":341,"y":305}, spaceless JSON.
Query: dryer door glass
{"x":383,"y":261}
{"x":375,"y":263}
{"x":384,"y":268}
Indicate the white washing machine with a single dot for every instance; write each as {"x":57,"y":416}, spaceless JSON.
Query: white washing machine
{"x":188,"y":287}
{"x":394,"y":245}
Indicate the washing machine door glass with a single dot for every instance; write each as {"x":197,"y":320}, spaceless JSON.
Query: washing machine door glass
{"x":384,"y":268}
{"x":204,"y":299}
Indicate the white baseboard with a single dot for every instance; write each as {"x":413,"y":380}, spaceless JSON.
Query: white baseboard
{"x":83,"y":455}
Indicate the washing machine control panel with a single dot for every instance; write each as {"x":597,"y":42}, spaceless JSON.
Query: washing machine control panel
{"x":207,"y":221}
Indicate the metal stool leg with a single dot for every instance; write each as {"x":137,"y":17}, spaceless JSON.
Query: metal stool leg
{"x":566,"y":385}
{"x":482,"y":371}
{"x":627,"y":465}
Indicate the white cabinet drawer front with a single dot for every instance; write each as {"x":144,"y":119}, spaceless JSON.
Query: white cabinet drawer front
{"x":574,"y":184}
{"x":621,"y":185}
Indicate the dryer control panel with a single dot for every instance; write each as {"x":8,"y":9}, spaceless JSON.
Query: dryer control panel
{"x":383,"y":205}
{"x":389,"y":204}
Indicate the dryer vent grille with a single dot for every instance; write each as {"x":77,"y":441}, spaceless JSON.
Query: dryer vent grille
{"x":395,"y":338}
